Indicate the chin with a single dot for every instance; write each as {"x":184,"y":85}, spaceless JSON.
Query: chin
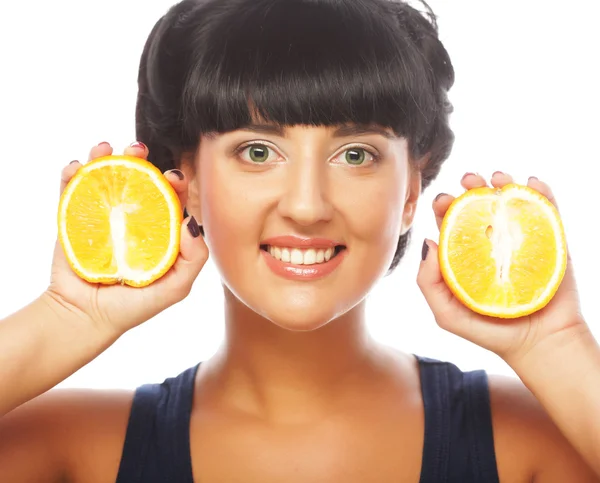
{"x":303,"y":312}
{"x":299,"y":321}
{"x":292,"y":308}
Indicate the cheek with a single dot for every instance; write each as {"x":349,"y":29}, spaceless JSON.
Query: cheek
{"x":226,"y":207}
{"x":374,"y":217}
{"x":234,"y":208}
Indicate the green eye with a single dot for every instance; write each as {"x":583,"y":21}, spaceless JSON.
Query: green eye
{"x":356,"y":156}
{"x":258,"y":153}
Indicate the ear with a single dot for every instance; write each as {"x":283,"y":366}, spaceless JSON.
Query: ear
{"x":188,"y":167}
{"x":412,"y":198}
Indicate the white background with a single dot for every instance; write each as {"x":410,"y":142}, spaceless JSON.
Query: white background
{"x":526,"y":102}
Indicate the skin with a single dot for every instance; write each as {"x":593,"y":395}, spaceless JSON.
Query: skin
{"x":298,"y":378}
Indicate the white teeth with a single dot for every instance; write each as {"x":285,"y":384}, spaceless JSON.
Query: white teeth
{"x":310,"y":257}
{"x":297,"y":256}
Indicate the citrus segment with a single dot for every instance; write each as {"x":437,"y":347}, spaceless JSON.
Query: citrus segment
{"x":119,"y":221}
{"x":502,"y":251}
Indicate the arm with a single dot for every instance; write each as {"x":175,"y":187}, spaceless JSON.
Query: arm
{"x":552,"y":350}
{"x":563,"y":373}
{"x":65,"y":435}
{"x":529,"y":446}
{"x":41,"y":345}
{"x":73,"y":322}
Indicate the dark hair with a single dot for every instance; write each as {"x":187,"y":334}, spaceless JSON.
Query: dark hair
{"x":213,"y":65}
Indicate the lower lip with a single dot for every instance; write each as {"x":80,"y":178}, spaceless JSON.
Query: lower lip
{"x":303,"y":272}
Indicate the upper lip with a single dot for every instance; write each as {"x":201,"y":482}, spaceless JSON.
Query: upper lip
{"x":291,"y":241}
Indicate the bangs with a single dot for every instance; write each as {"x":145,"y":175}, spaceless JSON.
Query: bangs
{"x":306,"y":62}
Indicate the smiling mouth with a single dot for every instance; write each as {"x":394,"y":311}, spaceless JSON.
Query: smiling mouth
{"x":303,"y":256}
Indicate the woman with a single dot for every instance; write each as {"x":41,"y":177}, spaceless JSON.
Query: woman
{"x":303,"y":129}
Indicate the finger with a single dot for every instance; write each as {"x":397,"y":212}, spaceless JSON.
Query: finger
{"x":500,"y":179}
{"x":542,"y":188}
{"x":59,"y":261}
{"x":441,"y":203}
{"x":67,"y":173}
{"x":179,"y":183}
{"x":440,"y":299}
{"x":102,"y":149}
{"x":192,"y":257}
{"x":137,"y":149}
{"x":569,"y":283}
{"x":472,"y":180}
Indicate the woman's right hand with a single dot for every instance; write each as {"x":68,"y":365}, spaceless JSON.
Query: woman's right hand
{"x":118,"y":308}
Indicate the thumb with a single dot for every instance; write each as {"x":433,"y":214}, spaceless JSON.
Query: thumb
{"x":193,"y":255}
{"x":59,"y":260}
{"x":440,"y":299}
{"x":194,"y":251}
{"x":67,"y":173}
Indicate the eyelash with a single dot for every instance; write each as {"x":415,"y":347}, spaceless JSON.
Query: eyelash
{"x":374,"y":155}
{"x":245,"y":146}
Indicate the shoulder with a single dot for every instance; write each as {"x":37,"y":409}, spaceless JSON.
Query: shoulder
{"x":75,"y":433}
{"x":526,"y":440}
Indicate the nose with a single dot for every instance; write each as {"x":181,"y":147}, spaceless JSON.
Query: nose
{"x":305,"y":198}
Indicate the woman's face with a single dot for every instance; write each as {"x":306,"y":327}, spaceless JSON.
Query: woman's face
{"x":302,"y":222}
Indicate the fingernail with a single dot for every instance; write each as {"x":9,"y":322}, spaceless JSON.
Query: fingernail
{"x":103,"y":143}
{"x":467,"y":175}
{"x":193,"y":227}
{"x":138,"y":144}
{"x":177,"y":173}
{"x":533,"y":178}
{"x":497,"y":172}
{"x":425,"y":250}
{"x":74,"y":161}
{"x":439,"y":196}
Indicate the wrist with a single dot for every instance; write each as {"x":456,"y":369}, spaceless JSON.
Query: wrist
{"x":557,"y":350}
{"x":59,"y":311}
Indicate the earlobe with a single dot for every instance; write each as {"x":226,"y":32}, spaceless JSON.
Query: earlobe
{"x":192,"y":205}
{"x":412,"y":198}
{"x":408,"y":217}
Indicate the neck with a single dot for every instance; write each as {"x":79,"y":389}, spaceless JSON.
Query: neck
{"x":264,"y":368}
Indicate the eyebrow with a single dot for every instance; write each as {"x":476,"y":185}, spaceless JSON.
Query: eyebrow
{"x":358,"y":130}
{"x":342,"y":131}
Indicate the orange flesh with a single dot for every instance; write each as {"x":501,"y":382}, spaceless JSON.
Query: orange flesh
{"x":503,"y":252}
{"x":118,"y":219}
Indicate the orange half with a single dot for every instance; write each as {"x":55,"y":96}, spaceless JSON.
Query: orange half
{"x":119,"y":221}
{"x":503,"y":252}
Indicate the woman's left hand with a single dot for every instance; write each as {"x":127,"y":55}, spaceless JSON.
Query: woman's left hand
{"x":511,"y":339}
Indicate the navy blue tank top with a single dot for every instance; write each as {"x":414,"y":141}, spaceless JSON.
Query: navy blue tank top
{"x":458,"y":446}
